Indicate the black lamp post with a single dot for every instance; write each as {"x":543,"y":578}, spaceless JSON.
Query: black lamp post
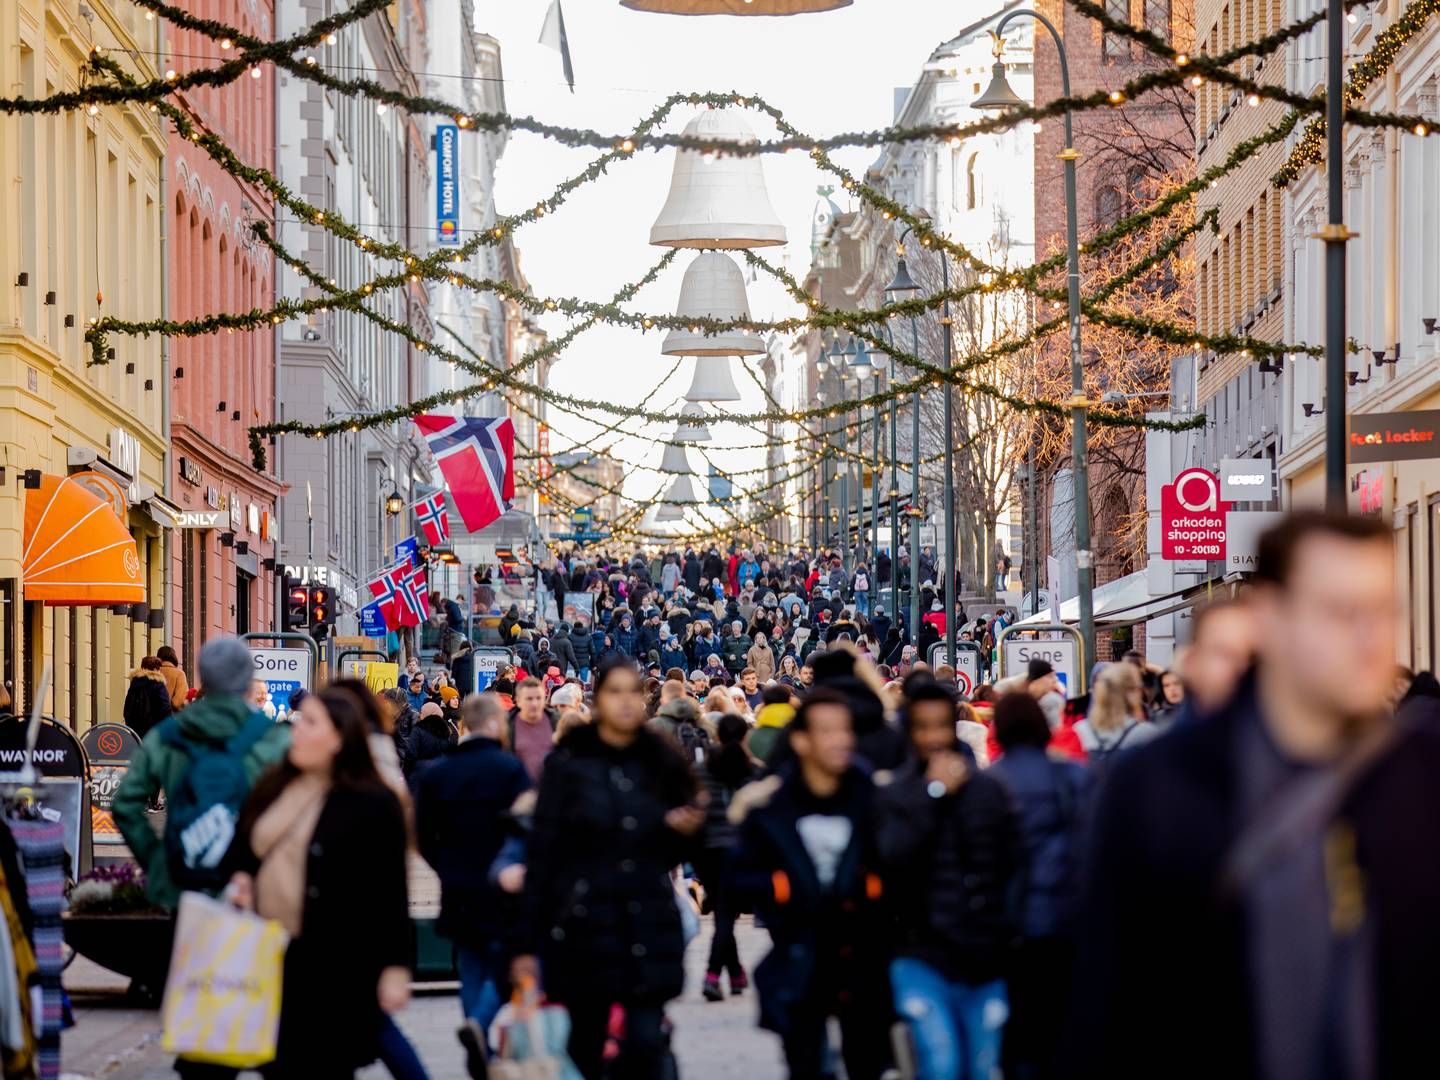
{"x":902,"y":284}
{"x":998,"y":95}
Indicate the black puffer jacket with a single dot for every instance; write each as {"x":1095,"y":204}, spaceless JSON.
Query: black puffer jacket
{"x":598,"y":894}
{"x":580,"y":647}
{"x":949,"y":864}
{"x":563,"y":646}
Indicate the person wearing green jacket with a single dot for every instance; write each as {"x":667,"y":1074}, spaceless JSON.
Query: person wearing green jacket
{"x":226,"y":670}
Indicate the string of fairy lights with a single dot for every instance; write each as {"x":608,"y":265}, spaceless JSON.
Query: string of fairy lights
{"x":108,"y":83}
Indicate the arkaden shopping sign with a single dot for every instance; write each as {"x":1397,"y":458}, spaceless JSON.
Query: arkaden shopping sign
{"x":1193,"y":517}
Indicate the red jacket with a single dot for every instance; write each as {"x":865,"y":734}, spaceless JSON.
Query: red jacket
{"x":732,"y":575}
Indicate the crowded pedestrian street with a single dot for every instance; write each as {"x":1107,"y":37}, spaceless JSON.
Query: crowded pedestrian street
{"x":719,"y":539}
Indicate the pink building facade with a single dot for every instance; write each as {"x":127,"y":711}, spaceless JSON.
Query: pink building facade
{"x":223,"y":563}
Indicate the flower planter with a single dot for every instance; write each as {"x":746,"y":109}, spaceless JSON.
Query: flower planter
{"x":137,"y":946}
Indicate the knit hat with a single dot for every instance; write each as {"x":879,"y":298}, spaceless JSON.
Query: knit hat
{"x":1038,"y":668}
{"x":226,"y":666}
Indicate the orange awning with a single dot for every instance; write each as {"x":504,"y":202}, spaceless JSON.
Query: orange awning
{"x":77,"y":551}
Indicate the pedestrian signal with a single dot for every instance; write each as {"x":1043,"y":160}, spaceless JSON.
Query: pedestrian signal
{"x":297,"y":607}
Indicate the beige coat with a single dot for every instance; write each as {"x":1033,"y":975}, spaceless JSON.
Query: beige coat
{"x":762,"y":660}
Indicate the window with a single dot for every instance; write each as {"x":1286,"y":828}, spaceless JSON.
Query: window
{"x":1113,"y":46}
{"x":1157,"y":17}
{"x":1107,"y":206}
{"x":1135,"y":182}
{"x":971,"y":184}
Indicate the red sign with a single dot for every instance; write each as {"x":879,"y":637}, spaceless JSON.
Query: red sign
{"x":1192,"y":517}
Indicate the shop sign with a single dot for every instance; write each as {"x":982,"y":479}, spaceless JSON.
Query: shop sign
{"x":447,"y":184}
{"x":110,"y":748}
{"x":237,"y":517}
{"x":1370,"y":491}
{"x":190,"y":472}
{"x":212,"y":497}
{"x":1398,"y":436}
{"x":372,"y":623}
{"x":378,"y":675}
{"x":1243,"y":529}
{"x":125,"y":456}
{"x":266,"y":525}
{"x":252,"y":519}
{"x":308,"y":574}
{"x":1247,"y":479}
{"x":1192,"y":517}
{"x":199,"y":519}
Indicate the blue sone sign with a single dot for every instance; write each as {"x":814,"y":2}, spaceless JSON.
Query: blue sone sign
{"x":447,"y":185}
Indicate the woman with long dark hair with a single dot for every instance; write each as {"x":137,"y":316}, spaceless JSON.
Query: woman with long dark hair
{"x":728,"y":768}
{"x":320,"y":847}
{"x":615,"y":814}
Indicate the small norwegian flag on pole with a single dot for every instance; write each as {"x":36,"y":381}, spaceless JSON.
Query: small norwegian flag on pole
{"x":434,"y":519}
{"x":385,"y":589}
{"x":414,"y":603}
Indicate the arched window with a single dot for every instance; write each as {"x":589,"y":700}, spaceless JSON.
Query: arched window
{"x":1107,"y":206}
{"x":1135,"y":184}
{"x":972,"y":183}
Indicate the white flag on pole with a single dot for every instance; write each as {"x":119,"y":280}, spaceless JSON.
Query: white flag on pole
{"x":552,"y":35}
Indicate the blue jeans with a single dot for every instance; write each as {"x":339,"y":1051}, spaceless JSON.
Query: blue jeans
{"x":584,"y":675}
{"x":956,"y":1026}
{"x":480,"y":983}
{"x":862,"y":602}
{"x":397,"y":1055}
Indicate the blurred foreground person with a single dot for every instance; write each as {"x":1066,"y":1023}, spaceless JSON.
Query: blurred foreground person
{"x":615,"y":814}
{"x":948,"y":844}
{"x":806,"y":861}
{"x":1222,"y":647}
{"x":321,"y":849}
{"x":461,"y":807}
{"x":1263,"y":885}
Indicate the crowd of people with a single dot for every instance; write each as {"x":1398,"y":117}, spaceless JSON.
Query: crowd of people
{"x":1220,"y":869}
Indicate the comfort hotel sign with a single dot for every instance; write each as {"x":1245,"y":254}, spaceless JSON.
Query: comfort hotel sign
{"x":1400,"y":436}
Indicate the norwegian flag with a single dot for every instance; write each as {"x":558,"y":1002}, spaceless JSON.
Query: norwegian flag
{"x":386,"y":590}
{"x":477,"y":456}
{"x":434,"y":519}
{"x":414,"y":600}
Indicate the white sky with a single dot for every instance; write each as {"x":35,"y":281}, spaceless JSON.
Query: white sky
{"x":827,"y":73}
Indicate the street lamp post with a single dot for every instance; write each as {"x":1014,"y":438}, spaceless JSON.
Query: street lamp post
{"x":904,"y":283}
{"x":999,"y":95}
{"x":1335,"y":235}
{"x":949,"y":440}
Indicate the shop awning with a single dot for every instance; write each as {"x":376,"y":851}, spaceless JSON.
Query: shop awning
{"x":1122,"y":602}
{"x":77,"y":550}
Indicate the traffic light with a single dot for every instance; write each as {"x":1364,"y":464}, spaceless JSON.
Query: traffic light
{"x":322,"y":610}
{"x":297,"y":607}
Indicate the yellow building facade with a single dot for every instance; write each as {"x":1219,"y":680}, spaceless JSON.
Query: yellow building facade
{"x":80,"y":238}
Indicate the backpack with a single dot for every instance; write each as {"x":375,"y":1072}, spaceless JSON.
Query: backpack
{"x":694,"y":740}
{"x":1102,"y":757}
{"x":203,"y":808}
{"x":862,"y":583}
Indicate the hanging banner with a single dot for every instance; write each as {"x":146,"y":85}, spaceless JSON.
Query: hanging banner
{"x":372,"y":623}
{"x":408,"y":551}
{"x":447,"y":185}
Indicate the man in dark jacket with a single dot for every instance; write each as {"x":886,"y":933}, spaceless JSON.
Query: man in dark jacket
{"x":691,"y":571}
{"x":623,"y":633}
{"x":461,"y":804}
{"x":147,"y":701}
{"x":805,"y":860}
{"x":580,"y":644}
{"x":949,"y":849}
{"x":1263,"y":871}
{"x":734,"y":647}
{"x":564,"y":649}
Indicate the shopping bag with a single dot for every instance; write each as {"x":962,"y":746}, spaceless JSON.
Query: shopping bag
{"x":222,"y":997}
{"x":529,"y":1040}
{"x":689,"y":917}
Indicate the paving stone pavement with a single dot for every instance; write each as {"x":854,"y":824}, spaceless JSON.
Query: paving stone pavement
{"x":114,"y":1040}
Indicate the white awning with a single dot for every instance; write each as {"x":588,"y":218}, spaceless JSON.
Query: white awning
{"x":1124,"y":602}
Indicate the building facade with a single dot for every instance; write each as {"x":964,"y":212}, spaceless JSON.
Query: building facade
{"x":1392,"y":304}
{"x":88,"y":193}
{"x":371,"y":165}
{"x":222,"y":569}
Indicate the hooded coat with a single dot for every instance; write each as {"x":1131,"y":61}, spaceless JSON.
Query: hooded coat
{"x":147,"y":701}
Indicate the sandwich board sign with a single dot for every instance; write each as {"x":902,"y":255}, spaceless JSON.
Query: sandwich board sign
{"x":1061,"y":651}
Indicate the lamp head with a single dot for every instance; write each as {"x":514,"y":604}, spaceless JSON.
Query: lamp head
{"x":998,"y":96}
{"x":861,"y":365}
{"x":902,"y":282}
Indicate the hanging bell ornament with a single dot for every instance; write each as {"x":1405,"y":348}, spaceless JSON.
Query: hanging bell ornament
{"x":712,"y":381}
{"x":718,"y":200}
{"x":713,"y":288}
{"x":693,"y":428}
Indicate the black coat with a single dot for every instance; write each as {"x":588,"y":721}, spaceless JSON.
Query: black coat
{"x":356,"y":923}
{"x":425,"y":744}
{"x":580,"y":647}
{"x":691,"y":572}
{"x":828,"y":946}
{"x":1154,"y":915}
{"x":147,"y":701}
{"x":563,"y":646}
{"x":949,"y":866}
{"x":461,"y":803}
{"x":598,"y":894}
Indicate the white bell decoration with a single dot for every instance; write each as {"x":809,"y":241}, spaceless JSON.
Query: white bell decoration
{"x":712,"y":381}
{"x":735,"y":7}
{"x":718,"y":200}
{"x":682,"y":491}
{"x":693,"y":428}
{"x":667,"y":512}
{"x":673,"y":460}
{"x":714,"y":288}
